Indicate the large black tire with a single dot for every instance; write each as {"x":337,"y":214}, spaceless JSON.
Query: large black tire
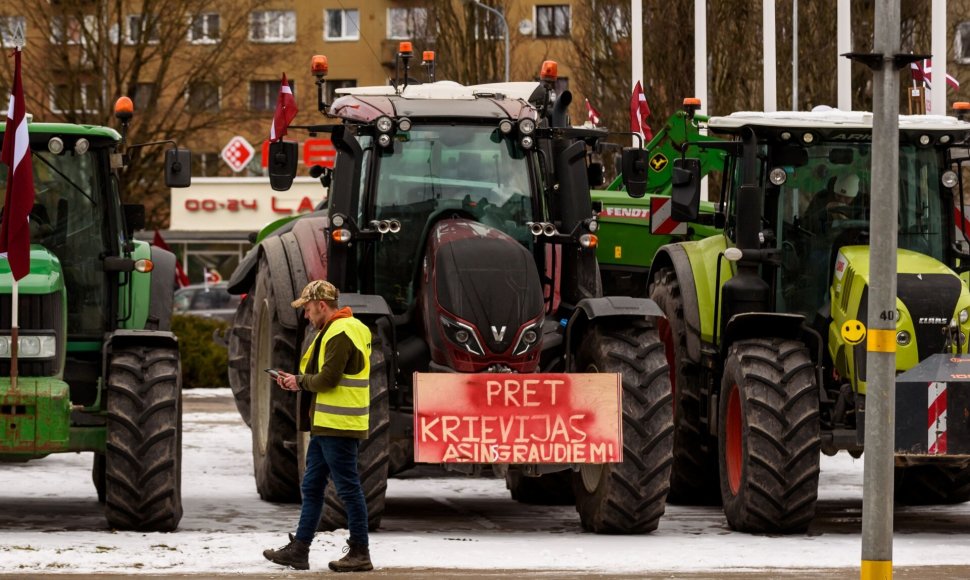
{"x":693,"y":474}
{"x":143,"y":455}
{"x":240,"y":352}
{"x":372,"y":461}
{"x":272,"y":410}
{"x":629,"y":497}
{"x":769,"y":437}
{"x":931,"y":484}
{"x":547,"y":489}
{"x":98,"y":476}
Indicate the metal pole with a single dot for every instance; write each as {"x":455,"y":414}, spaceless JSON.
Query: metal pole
{"x":880,"y":401}
{"x":769,"y":73}
{"x":937,"y":104}
{"x":506,"y":25}
{"x":636,"y":47}
{"x":844,"y":43}
{"x":794,"y":55}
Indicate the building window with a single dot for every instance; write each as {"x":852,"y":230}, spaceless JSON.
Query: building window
{"x":961,"y":43}
{"x":272,"y":26}
{"x":552,"y":21}
{"x":263,"y":94}
{"x":341,"y":25}
{"x":70,"y":30}
{"x":202,"y":97}
{"x":143,"y":95}
{"x":142,"y":28}
{"x":73,"y":98}
{"x":9,"y":26}
{"x":330,"y":88}
{"x":405,"y":23}
{"x":204,"y":29}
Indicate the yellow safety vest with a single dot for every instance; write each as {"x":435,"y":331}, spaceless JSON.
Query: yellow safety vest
{"x":347,"y":406}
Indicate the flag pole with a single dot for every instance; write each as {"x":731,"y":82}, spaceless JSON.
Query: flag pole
{"x":14,"y":331}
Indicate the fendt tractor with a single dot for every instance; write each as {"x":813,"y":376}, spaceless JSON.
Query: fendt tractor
{"x":460,"y":228}
{"x":633,"y":229}
{"x":98,"y":366}
{"x":764,"y":378}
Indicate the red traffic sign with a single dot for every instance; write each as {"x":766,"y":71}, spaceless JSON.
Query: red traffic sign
{"x":238,"y":153}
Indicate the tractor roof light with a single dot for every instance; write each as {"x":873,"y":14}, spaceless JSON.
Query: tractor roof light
{"x":55,"y":145}
{"x":505,"y":126}
{"x":124,"y":109}
{"x":427,"y":56}
{"x":384,"y":140}
{"x":944,"y":139}
{"x":924,"y":140}
{"x":405,"y":48}
{"x":962,"y":109}
{"x":949,"y":179}
{"x":785,"y":135}
{"x":527,"y":126}
{"x":384,"y":124}
{"x":81,"y":146}
{"x":527,"y":142}
{"x":808,"y":138}
{"x":404,"y":124}
{"x":319,"y":65}
{"x":549,"y":71}
{"x":341,"y":236}
{"x":144,"y":266}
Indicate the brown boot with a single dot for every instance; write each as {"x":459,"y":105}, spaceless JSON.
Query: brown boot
{"x":357,"y":559}
{"x":296,"y":554}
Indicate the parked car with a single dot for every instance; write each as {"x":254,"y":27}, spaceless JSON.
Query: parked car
{"x":209,"y":300}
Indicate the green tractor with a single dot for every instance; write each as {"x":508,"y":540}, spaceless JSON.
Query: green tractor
{"x":764,"y":379}
{"x":98,"y":366}
{"x":633,"y":229}
{"x":460,"y":228}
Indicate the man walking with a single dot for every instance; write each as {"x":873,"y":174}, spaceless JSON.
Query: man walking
{"x":336,"y":368}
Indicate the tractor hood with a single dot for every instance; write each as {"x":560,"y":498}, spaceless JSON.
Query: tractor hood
{"x":45,"y":275}
{"x":484,"y":281}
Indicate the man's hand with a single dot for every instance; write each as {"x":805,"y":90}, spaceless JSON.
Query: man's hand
{"x":287,"y":382}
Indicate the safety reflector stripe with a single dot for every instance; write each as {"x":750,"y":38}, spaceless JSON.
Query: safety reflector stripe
{"x":354,"y":382}
{"x":348,"y":411}
{"x":936,"y":419}
{"x":876,"y":570}
{"x":881,"y":340}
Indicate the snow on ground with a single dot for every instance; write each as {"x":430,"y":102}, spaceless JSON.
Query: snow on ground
{"x":50,"y":521}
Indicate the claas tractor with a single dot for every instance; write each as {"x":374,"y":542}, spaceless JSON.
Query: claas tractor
{"x":764,"y":378}
{"x":98,"y":366}
{"x":459,"y":227}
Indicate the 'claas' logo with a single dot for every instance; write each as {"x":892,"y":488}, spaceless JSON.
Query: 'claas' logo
{"x":658,"y":162}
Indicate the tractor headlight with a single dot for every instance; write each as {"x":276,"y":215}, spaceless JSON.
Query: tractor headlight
{"x":528,"y":339}
{"x":964,"y":316}
{"x":385,"y":124}
{"x":778,"y":176}
{"x":462,"y":335}
{"x":949,"y":179}
{"x":527,"y":126}
{"x":33,"y":346}
{"x":903,"y":337}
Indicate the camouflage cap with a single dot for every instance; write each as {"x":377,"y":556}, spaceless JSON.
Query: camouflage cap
{"x":316,"y":290}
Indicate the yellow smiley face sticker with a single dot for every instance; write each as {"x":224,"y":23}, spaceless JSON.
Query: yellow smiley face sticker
{"x":853,"y":331}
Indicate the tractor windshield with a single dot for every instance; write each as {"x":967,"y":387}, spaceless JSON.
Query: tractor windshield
{"x":438,"y":171}
{"x":67,"y":220}
{"x":824,"y":204}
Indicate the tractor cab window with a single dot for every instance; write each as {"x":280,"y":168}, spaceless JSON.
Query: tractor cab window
{"x":67,"y":220}
{"x":921,"y":218}
{"x":435,"y":172}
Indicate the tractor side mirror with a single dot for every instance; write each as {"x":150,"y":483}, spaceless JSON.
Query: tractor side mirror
{"x":134,"y":218}
{"x":282,"y":164}
{"x":685,"y":189}
{"x":595,"y":174}
{"x":178,"y":168}
{"x":634,"y":164}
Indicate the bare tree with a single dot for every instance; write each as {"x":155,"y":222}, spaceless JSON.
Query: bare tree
{"x":468,"y":40}
{"x":180,"y":61}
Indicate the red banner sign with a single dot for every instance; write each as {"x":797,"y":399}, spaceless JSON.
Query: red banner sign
{"x":506,"y":418}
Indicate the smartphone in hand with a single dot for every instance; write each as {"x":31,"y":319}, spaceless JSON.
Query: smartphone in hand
{"x":273,"y":373}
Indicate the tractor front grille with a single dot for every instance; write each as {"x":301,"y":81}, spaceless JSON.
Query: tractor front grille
{"x":930,"y":300}
{"x":36,"y":312}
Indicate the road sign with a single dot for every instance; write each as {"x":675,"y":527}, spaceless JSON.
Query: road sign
{"x":238,"y":153}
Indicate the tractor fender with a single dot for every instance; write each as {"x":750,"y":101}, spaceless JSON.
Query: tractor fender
{"x":244,"y":276}
{"x":675,"y":256}
{"x":298,"y":272}
{"x":760,"y":325}
{"x":162,"y":290}
{"x":128,"y":337}
{"x":282,"y":276}
{"x":309,"y":233}
{"x":589,"y":309}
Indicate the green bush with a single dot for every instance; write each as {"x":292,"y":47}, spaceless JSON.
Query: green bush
{"x":205,"y":360}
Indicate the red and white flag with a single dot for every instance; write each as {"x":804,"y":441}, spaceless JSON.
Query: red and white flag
{"x":15,"y":229}
{"x":639,"y":113}
{"x":285,"y":112}
{"x":592,"y":115}
{"x":923,"y":73}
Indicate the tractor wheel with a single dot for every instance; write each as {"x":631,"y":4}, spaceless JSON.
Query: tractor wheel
{"x":98,"y":476}
{"x":372,"y":460}
{"x":769,"y":437}
{"x":930,"y":484}
{"x":240,"y":349}
{"x":547,"y":489}
{"x":143,"y":454}
{"x":693,"y":474}
{"x":273,"y":410}
{"x":629,"y":497}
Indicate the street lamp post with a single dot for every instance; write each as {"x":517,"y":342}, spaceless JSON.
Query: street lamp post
{"x":504,"y":23}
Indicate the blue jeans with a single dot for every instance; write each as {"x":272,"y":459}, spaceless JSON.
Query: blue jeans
{"x":335,"y":458}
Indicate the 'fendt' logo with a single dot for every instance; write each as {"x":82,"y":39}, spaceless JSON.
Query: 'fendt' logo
{"x":933,"y":320}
